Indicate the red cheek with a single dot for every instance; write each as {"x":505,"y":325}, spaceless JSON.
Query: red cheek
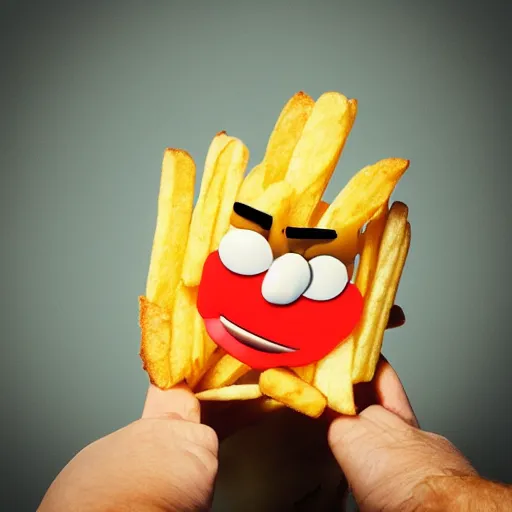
{"x":314,"y":328}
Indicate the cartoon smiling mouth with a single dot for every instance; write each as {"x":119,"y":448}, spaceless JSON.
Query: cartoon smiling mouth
{"x":253,"y":340}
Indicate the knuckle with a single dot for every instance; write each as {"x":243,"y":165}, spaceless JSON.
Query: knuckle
{"x":210,"y":439}
{"x":202,"y":461}
{"x":438,"y":439}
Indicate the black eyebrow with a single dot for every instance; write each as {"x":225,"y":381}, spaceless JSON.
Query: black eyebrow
{"x":264,"y":220}
{"x":310,"y":233}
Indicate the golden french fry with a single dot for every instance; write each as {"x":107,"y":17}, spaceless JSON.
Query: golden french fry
{"x":182,"y":338}
{"x":205,"y":211}
{"x":285,"y":136}
{"x":282,"y":142}
{"x":352,"y":110}
{"x":198,"y":372}
{"x":381,"y":326}
{"x":236,"y":392}
{"x":175,"y":202}
{"x":320,"y":209}
{"x":306,"y":373}
{"x":285,"y":387}
{"x":233,"y":160}
{"x":370,"y":252}
{"x":276,"y":201}
{"x":252,"y":185}
{"x":364,"y":194}
{"x":219,"y":142}
{"x":380,"y":298}
{"x":198,"y":356}
{"x":317,"y":152}
{"x":226,"y":372}
{"x":333,"y":378}
{"x":155,"y":324}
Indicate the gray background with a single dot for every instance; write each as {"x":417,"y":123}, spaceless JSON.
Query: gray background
{"x":92,"y":93}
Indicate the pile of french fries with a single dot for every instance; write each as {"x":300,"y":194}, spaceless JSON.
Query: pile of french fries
{"x":289,"y":183}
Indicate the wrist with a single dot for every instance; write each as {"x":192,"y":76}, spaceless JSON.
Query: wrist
{"x":461,"y":493}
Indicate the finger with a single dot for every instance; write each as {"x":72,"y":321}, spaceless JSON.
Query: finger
{"x":349,"y":438}
{"x":178,"y":402}
{"x":391,"y":394}
{"x":386,"y":390}
{"x":396,"y":317}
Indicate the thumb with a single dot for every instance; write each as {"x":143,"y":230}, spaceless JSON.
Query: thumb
{"x":355,"y":439}
{"x":178,"y":402}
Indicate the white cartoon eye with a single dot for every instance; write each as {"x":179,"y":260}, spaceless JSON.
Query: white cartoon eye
{"x":329,"y":278}
{"x":245,"y":252}
{"x":286,"y":279}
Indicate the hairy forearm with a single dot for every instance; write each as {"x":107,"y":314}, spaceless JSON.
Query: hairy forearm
{"x":462,"y":493}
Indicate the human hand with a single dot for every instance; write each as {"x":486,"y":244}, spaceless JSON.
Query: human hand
{"x":167,"y":460}
{"x":388,"y":461}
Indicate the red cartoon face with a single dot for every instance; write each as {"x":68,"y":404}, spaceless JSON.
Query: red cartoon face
{"x":270,"y":312}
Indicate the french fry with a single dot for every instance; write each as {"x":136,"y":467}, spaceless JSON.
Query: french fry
{"x":320,"y":209}
{"x":380,"y":298}
{"x":352,"y":110}
{"x":282,"y":142}
{"x":370,"y":251}
{"x":252,"y":185}
{"x":317,"y":152}
{"x":155,"y":324}
{"x":236,"y":392}
{"x":333,"y":378}
{"x":219,"y":142}
{"x":285,"y":136}
{"x":198,"y":372}
{"x":276,"y":201}
{"x":306,"y":373}
{"x":180,"y":354}
{"x":285,"y":387}
{"x":203,"y":349}
{"x":206,"y":210}
{"x":373,"y":359}
{"x":226,"y":372}
{"x":359,"y":200}
{"x":233,"y":161}
{"x":197,"y":353}
{"x":175,"y":201}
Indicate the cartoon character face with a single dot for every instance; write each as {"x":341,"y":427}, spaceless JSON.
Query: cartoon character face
{"x":269,"y":312}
